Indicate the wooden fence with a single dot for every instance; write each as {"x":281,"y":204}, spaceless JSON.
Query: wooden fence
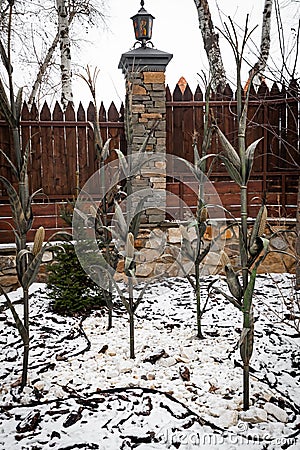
{"x":62,"y":157}
{"x":273,"y":115}
{"x":62,"y":151}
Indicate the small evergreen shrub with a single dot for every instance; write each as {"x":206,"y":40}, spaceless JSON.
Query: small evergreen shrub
{"x":70,"y":288}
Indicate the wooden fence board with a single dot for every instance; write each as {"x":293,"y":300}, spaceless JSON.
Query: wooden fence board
{"x":47,"y":154}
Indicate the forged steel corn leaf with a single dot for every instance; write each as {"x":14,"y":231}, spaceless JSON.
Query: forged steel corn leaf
{"x":16,"y":207}
{"x":19,"y":103}
{"x":60,"y":236}
{"x":82,"y":215}
{"x":20,"y":264}
{"x":186,"y":243}
{"x":5,"y":106}
{"x":197,"y":159}
{"x":121,"y":224}
{"x":256,"y":225}
{"x":5,"y":60}
{"x":233,"y":282}
{"x":229,"y":298}
{"x":29,"y":276}
{"x":233,"y":172}
{"x":105,"y":151}
{"x":135,"y":223}
{"x":250,"y":157}
{"x":197,"y":171}
{"x":123,"y":162}
{"x":229,"y":150}
{"x":138,"y":162}
{"x":28,"y":212}
{"x":13,"y":167}
{"x":16,"y":317}
{"x":140,"y":298}
{"x":129,"y":247}
{"x":25,"y":162}
{"x":204,"y":252}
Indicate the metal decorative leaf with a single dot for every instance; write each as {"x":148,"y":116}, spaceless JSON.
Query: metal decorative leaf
{"x":13,"y":167}
{"x":123,"y":162}
{"x":121,"y":224}
{"x":229,"y":150}
{"x":136,"y":220}
{"x":16,"y":207}
{"x":29,"y":276}
{"x":250,"y":157}
{"x":232,"y":171}
{"x":256,"y":226}
{"x":19,"y":103}
{"x":186,"y":243}
{"x":233,"y":282}
{"x":105,"y":151}
{"x":5,"y":59}
{"x":25,"y":162}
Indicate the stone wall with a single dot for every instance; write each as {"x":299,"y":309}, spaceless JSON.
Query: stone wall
{"x":148,"y":115}
{"x":156,"y":257}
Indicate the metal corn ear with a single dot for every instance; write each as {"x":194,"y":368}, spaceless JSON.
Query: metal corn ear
{"x":38,"y":240}
{"x":263,"y":222}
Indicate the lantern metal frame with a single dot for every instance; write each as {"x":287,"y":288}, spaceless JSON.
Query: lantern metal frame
{"x":143,"y":25}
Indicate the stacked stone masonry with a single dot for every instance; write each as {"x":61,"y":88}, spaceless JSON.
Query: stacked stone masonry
{"x":155,"y":257}
{"x":149,"y":116}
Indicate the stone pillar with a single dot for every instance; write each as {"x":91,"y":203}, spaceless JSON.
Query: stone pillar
{"x":145,"y":69}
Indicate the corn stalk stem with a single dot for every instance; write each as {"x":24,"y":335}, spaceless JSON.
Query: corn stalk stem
{"x":26,"y":340}
{"x":131,"y":318}
{"x":246,"y":386}
{"x":198,"y":299}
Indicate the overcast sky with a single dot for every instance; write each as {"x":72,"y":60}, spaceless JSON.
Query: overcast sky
{"x":175,"y":30}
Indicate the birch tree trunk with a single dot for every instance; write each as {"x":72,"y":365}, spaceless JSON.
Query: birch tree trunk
{"x":211,"y":45}
{"x":46,"y":63}
{"x":65,"y":53}
{"x":261,"y":63}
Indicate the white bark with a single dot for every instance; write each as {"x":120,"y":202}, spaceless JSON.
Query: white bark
{"x":65,"y":53}
{"x":211,"y":45}
{"x":260,"y":65}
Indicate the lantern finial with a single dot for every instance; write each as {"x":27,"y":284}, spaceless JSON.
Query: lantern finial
{"x":142,"y":3}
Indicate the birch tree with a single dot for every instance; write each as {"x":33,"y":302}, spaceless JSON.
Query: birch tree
{"x":211,"y":45}
{"x":212,"y":48}
{"x":65,"y":53}
{"x":36,"y":39}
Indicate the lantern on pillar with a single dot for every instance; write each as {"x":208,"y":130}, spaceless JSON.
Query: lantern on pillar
{"x":143,"y":23}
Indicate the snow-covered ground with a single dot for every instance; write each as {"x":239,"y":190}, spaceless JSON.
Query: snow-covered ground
{"x":179,"y":392}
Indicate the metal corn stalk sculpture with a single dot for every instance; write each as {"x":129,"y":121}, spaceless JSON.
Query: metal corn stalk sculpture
{"x":20,"y":200}
{"x":197,"y":252}
{"x":27,"y":261}
{"x":253,"y":248}
{"x":100,"y":212}
{"x":126,"y":235}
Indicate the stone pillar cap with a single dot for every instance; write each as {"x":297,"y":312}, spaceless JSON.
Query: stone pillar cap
{"x":145,"y":59}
